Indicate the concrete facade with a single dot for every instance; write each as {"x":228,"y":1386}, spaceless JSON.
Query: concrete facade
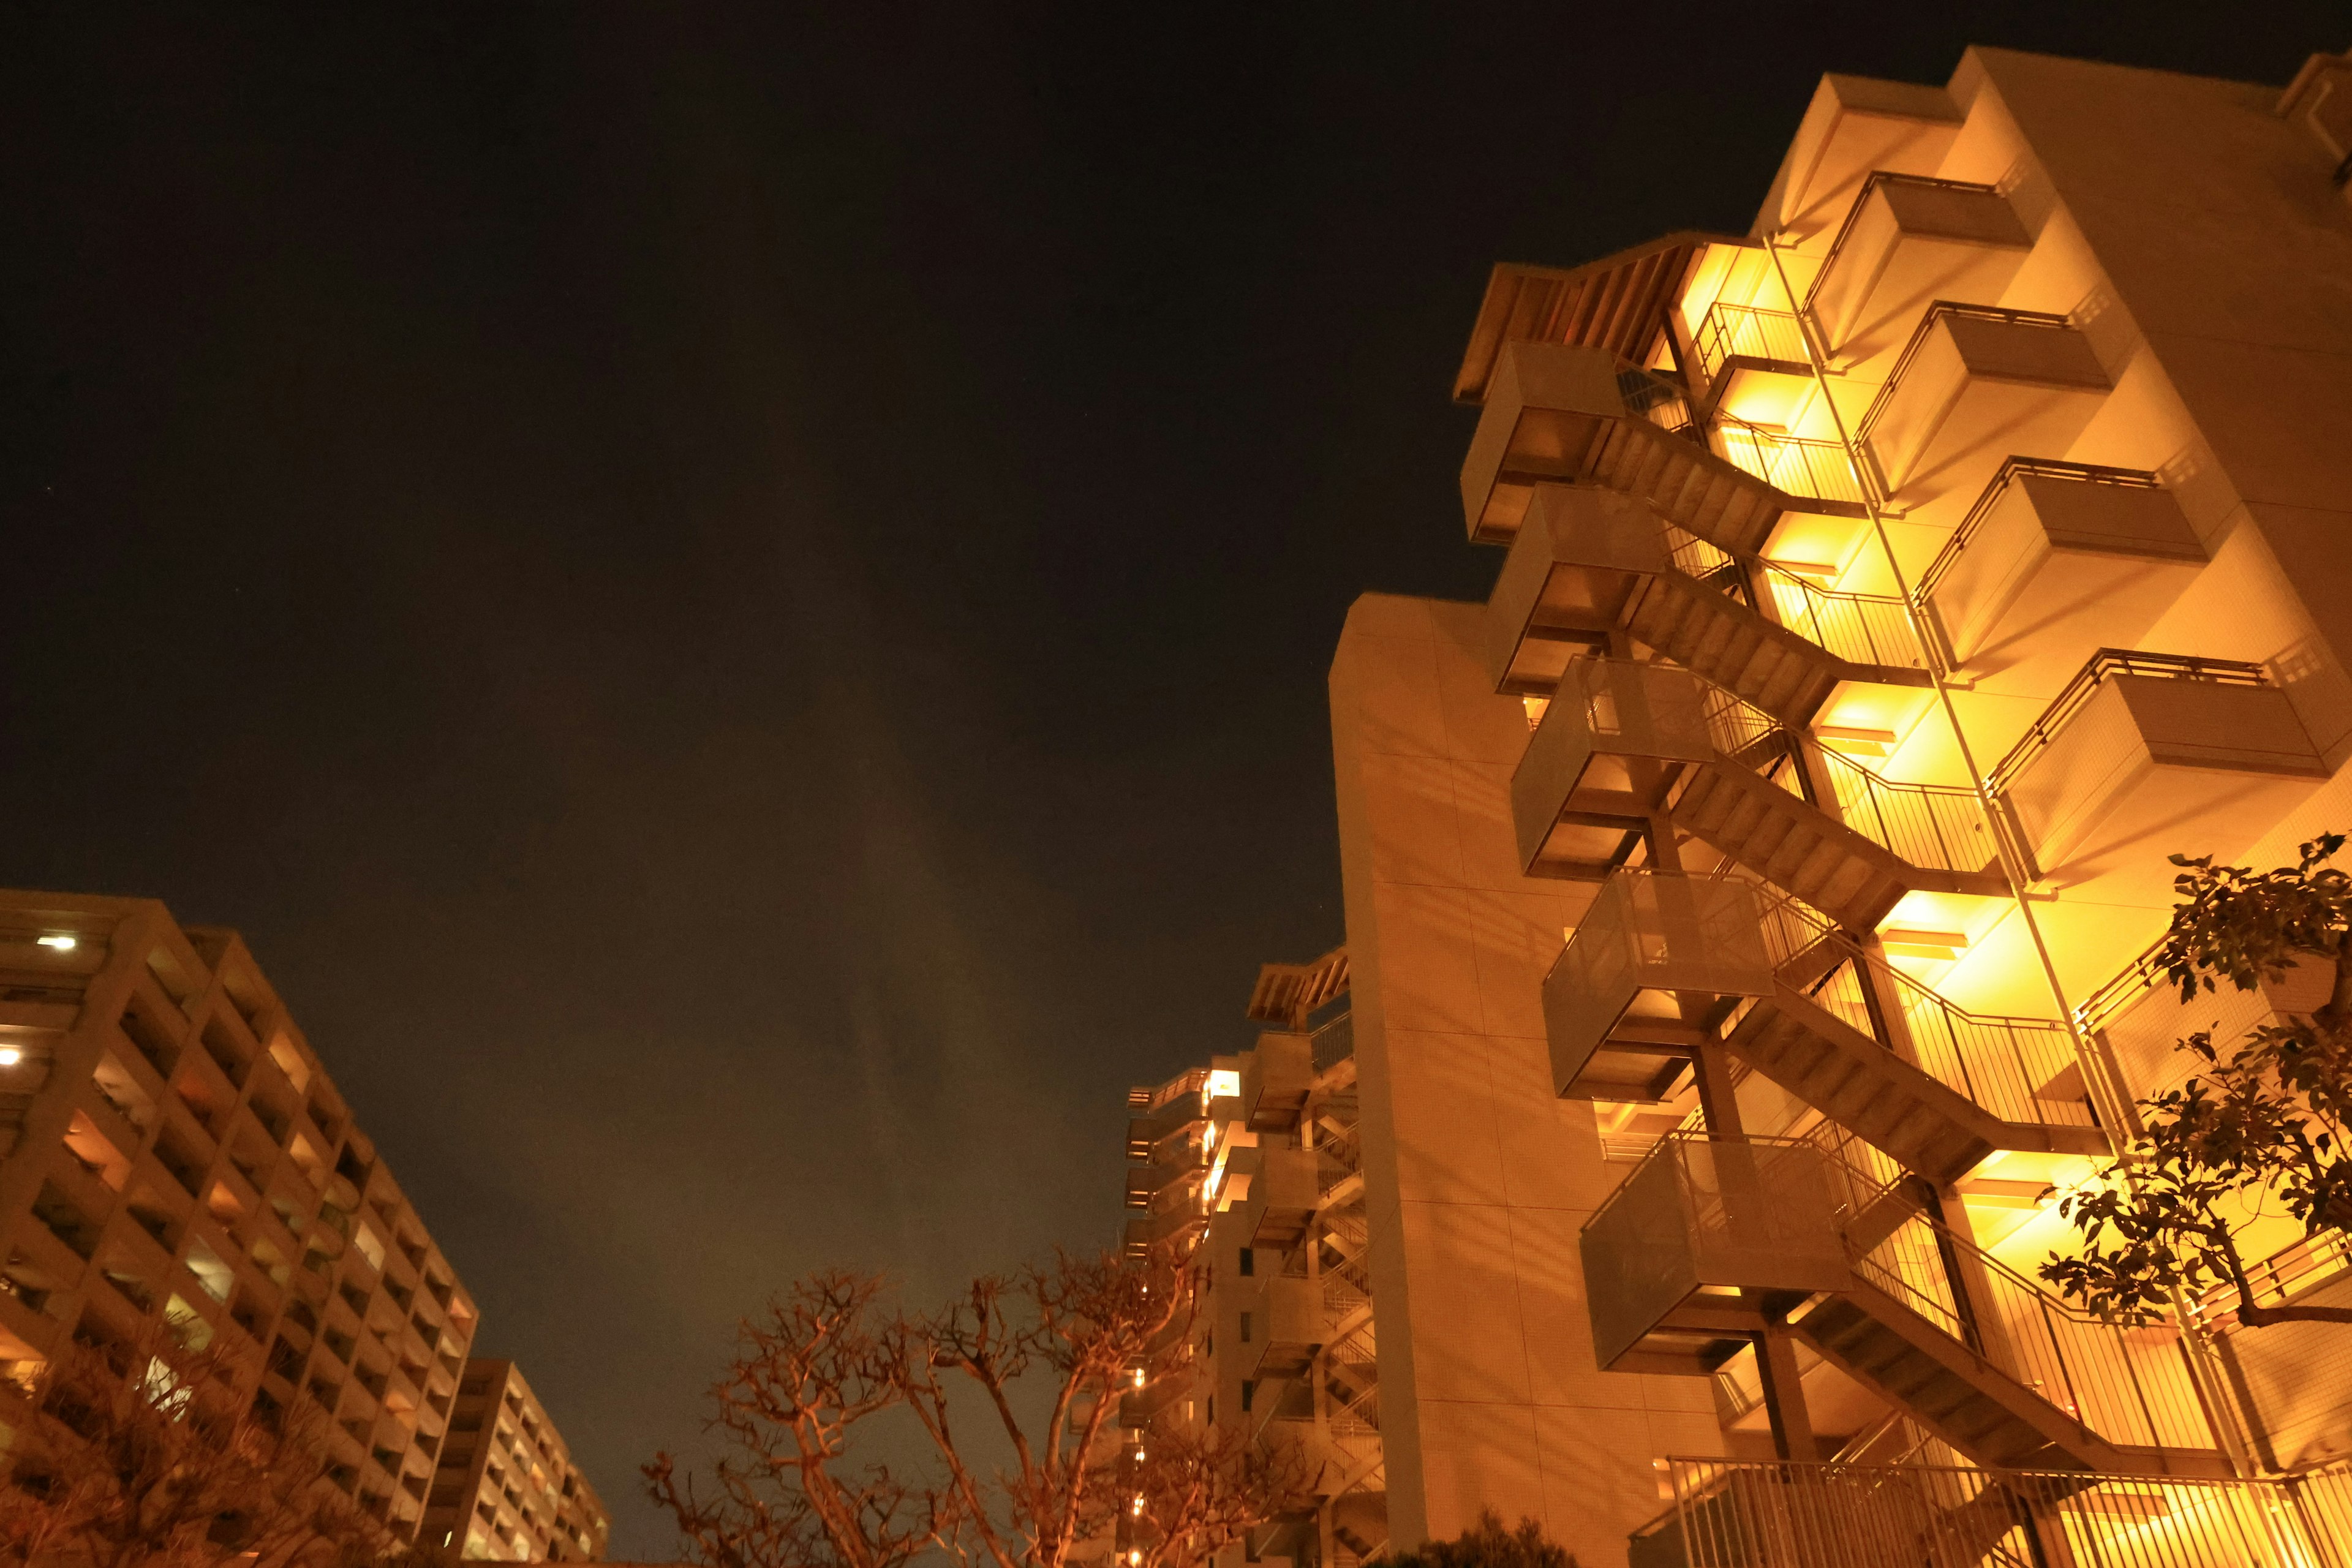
{"x":506,"y":1487}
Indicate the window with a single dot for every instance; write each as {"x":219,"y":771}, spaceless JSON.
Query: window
{"x":1249,"y":1391}
{"x":1246,"y":1328}
{"x":1249,"y":1261}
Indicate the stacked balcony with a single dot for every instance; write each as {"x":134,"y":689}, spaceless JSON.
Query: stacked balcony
{"x":2139,"y":741}
{"x":1973,"y":385}
{"x":2059,"y":556}
{"x":1910,"y":240}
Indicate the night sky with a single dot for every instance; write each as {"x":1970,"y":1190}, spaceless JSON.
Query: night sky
{"x":736,"y":602}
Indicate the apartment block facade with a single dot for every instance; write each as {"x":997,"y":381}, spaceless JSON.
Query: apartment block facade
{"x":506,"y":1486}
{"x":171,"y":1148}
{"x":1748,"y":906}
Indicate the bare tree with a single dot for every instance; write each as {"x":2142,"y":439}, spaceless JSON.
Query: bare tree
{"x":1072,"y":1340}
{"x":139,"y":1454}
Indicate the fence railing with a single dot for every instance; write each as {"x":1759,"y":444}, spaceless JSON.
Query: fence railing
{"x":1797,"y":466}
{"x":2010,"y":471}
{"x":1751,"y":1514}
{"x":1999,"y":1064}
{"x":2103,"y":665}
{"x":1746,"y":332}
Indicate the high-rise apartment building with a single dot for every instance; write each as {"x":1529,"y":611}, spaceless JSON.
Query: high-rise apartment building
{"x":507,"y":1488}
{"x":171,"y":1148}
{"x":1748,"y":905}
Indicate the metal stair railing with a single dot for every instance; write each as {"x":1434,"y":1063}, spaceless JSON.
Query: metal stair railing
{"x":1860,"y":628}
{"x":1995,"y":1063}
{"x":1800,"y":466}
{"x":2102,"y":666}
{"x":1937,"y":827}
{"x":1748,"y":331}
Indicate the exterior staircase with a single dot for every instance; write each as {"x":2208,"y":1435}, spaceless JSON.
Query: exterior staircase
{"x":1794,"y":843}
{"x":1770,"y":666}
{"x":1708,"y":495}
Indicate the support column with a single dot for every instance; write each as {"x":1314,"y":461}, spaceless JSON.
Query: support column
{"x":1784,"y":1394}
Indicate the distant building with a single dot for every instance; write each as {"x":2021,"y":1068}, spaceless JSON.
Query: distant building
{"x":507,"y":1487}
{"x":171,"y":1148}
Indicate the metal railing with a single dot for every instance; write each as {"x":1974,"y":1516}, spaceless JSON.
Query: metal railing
{"x":1942,"y":311}
{"x":1938,"y":828}
{"x":1752,"y":1514}
{"x":1998,"y":1063}
{"x":1797,"y":466}
{"x":2127,"y":986}
{"x":1853,"y":214}
{"x":1746,"y":332}
{"x":1663,"y":403}
{"x":2303,"y":1265}
{"x":1334,"y":1042}
{"x":2128,"y":1385}
{"x":2018,"y":468}
{"x":2098,"y":668}
{"x":1862,"y":628}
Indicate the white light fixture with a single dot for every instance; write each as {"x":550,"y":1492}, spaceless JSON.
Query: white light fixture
{"x":10,"y":1055}
{"x":61,"y":944}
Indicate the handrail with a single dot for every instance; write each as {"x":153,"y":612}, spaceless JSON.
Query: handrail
{"x":2119,"y":991}
{"x":2099,"y":667}
{"x":1934,"y":826}
{"x":1860,"y":628}
{"x":1748,"y":331}
{"x":1853,"y":214}
{"x":1996,"y":1062}
{"x":2296,"y":1267}
{"x":2014,"y":469}
{"x":1799,"y":466}
{"x":1939,"y":311}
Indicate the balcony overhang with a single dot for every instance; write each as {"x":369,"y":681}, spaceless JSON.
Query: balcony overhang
{"x":1618,"y":303}
{"x":2056,"y":560}
{"x":1546,"y":408}
{"x":1973,"y":387}
{"x":1580,"y":557}
{"x":1909,"y":241}
{"x":2143,"y":766}
{"x":1651,"y":942}
{"x":1601,"y":760}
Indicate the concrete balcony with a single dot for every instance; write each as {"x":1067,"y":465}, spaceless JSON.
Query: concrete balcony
{"x":2063,"y":553}
{"x":1545,"y":406}
{"x":1651,"y":942}
{"x":1973,"y":387}
{"x":1601,"y":760}
{"x":1580,"y":557}
{"x":1275,"y":1078}
{"x":1286,"y":1192}
{"x":1289,"y":1324}
{"x":2141,"y":749}
{"x":1908,"y":241}
{"x":1701,"y":1216}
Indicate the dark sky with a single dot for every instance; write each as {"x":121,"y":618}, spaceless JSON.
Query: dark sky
{"x":736,"y":601}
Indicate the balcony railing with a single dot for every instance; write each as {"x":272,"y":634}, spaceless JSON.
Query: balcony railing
{"x":1334,"y":1042}
{"x":1794,"y":465}
{"x":1862,"y":201}
{"x":1744,"y":331}
{"x":2010,"y":471}
{"x":1997,"y":1063}
{"x":2101,"y":666}
{"x":1735,"y":1514}
{"x":1939,"y":311}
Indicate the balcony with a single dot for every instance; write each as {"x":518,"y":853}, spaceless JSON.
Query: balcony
{"x":1701,"y":1215}
{"x":1753,"y":363}
{"x":1651,"y":940}
{"x":1275,"y":1078}
{"x":2143,"y":754}
{"x":1973,"y":386}
{"x":1545,"y":406}
{"x":1910,"y":240}
{"x":1290,"y":1322}
{"x":1593,"y":768}
{"x":2060,"y":554}
{"x":1581,"y":557}
{"x":1286,"y":1192}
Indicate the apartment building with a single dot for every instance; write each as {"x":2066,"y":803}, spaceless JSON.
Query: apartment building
{"x":1251,"y":1162}
{"x":1748,"y":905}
{"x":507,"y":1488}
{"x":170,"y":1148}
